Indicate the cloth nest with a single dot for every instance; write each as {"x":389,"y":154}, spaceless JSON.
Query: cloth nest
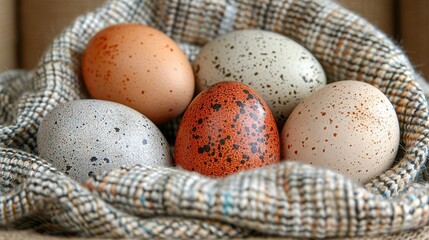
{"x":288,"y":199}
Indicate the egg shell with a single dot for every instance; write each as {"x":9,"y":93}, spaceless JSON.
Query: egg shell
{"x":347,"y":126}
{"x":279,"y":69}
{"x":86,"y":137}
{"x":227,"y":129}
{"x":141,"y":67}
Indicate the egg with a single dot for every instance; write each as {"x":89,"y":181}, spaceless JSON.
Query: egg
{"x":86,"y":137}
{"x":226,"y":129}
{"x":141,"y":67}
{"x":348,"y":126}
{"x":279,"y":69}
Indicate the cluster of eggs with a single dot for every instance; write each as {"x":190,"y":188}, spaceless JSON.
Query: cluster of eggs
{"x":260,"y":97}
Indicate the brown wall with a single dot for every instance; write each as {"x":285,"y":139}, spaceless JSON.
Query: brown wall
{"x":41,"y":20}
{"x":414,"y":31}
{"x":8,"y":35}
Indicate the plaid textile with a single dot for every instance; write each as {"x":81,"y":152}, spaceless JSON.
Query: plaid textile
{"x":288,"y":199}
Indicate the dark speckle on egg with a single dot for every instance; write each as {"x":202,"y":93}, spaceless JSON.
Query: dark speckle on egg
{"x":68,"y":167}
{"x":237,"y":135}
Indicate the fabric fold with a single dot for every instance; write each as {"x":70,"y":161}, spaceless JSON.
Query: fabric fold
{"x":288,"y":199}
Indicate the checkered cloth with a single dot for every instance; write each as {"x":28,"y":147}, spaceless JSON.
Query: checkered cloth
{"x":288,"y":199}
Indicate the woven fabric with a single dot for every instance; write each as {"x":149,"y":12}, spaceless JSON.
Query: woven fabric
{"x":288,"y":199}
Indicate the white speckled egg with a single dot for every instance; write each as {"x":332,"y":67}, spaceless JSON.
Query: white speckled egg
{"x":85,"y":137}
{"x":279,"y":69}
{"x":348,"y":126}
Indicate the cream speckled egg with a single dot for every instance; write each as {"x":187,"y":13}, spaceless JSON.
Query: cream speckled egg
{"x":85,"y":137}
{"x":347,"y":126}
{"x":279,"y":69}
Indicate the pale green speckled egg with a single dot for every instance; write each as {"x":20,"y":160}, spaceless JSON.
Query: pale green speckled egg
{"x":282,"y":71}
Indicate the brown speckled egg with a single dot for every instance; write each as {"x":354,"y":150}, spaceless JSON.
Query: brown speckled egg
{"x":140,"y":67}
{"x":348,"y":126}
{"x":226,"y":129}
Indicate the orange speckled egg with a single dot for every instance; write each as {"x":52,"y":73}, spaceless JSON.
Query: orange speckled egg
{"x":226,"y":129}
{"x":141,"y":67}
